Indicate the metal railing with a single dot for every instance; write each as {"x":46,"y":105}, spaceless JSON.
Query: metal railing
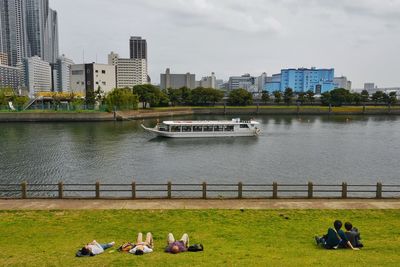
{"x":197,"y":191}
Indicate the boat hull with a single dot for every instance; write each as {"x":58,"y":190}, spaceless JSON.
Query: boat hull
{"x":200,"y":134}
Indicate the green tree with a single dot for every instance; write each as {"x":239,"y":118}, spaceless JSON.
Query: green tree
{"x":206,"y":96}
{"x":364,"y":96}
{"x":310,"y":96}
{"x":121,"y":99}
{"x":181,"y":96}
{"x":265,"y":97}
{"x":378,"y":97}
{"x":326,"y":98}
{"x":240,"y":97}
{"x":277,"y":96}
{"x":392,"y":98}
{"x":301,"y":97}
{"x":148,"y":94}
{"x":357,"y":98}
{"x":340,"y":96}
{"x":288,"y":96}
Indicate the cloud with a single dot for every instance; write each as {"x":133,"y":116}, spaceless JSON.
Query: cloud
{"x":226,"y":15}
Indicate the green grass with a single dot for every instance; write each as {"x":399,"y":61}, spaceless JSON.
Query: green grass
{"x":230,"y":238}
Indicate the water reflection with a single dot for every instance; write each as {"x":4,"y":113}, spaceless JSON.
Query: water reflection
{"x":291,"y":149}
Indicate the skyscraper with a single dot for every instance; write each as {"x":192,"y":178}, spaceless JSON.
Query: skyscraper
{"x":138,"y":48}
{"x":42,"y":30}
{"x":13,"y":40}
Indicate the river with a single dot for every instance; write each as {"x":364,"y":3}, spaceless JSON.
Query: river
{"x":322,"y":149}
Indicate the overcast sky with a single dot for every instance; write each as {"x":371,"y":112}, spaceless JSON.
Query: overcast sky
{"x":359,"y":38}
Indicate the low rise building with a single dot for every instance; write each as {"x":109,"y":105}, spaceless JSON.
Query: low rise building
{"x":342,"y":82}
{"x":86,"y":78}
{"x":245,"y":81}
{"x":9,"y":77}
{"x":35,"y":76}
{"x":208,"y":82}
{"x":176,"y":81}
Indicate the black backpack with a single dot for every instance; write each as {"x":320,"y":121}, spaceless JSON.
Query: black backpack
{"x":196,"y":248}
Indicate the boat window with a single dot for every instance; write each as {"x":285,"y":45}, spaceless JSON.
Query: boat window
{"x":164,"y":128}
{"x":197,"y":128}
{"x":218,"y":128}
{"x":186,"y":129}
{"x":175,"y":129}
{"x":208,"y":128}
{"x":252,"y":125}
{"x":243,"y":126}
{"x":229,"y":128}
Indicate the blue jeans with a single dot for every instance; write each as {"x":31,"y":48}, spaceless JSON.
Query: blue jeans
{"x":106,"y":246}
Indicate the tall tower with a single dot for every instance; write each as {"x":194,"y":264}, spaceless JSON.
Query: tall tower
{"x":138,"y":48}
{"x":13,"y":40}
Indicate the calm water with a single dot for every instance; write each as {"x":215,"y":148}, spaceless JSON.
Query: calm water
{"x":320,"y":149}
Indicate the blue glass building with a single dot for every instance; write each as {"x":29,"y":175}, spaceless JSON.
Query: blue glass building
{"x":302,"y":80}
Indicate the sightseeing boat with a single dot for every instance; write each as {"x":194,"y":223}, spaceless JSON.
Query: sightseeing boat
{"x":189,"y":129}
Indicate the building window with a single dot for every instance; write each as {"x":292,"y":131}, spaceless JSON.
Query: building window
{"x":97,"y":71}
{"x":103,"y":71}
{"x":104,"y":83}
{"x":97,"y":82}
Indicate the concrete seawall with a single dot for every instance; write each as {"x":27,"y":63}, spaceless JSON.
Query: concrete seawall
{"x":143,"y":114}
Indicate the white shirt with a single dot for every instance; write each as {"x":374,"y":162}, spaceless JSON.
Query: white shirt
{"x":146,"y":249}
{"x":95,"y":248}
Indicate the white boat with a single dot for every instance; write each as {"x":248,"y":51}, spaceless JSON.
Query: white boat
{"x":189,"y":129}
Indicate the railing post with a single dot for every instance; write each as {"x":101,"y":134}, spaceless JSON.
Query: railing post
{"x":240,"y":190}
{"x":60,"y":190}
{"x":24,"y":186}
{"x":97,"y":189}
{"x":133,"y":190}
{"x":275,"y":190}
{"x":204,"y":190}
{"x":169,"y":189}
{"x":379,"y":190}
{"x":310,"y":190}
{"x":344,"y":190}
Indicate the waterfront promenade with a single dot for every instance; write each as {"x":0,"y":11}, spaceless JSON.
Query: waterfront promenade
{"x":198,"y":204}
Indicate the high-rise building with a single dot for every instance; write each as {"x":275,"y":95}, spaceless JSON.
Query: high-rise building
{"x":14,"y":40}
{"x":28,"y":28}
{"x":36,"y":76}
{"x":176,"y":81}
{"x":62,"y":74}
{"x":3,"y":59}
{"x":86,"y":78}
{"x":138,"y":48}
{"x":129,"y":71}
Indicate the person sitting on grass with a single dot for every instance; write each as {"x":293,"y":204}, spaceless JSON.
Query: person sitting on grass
{"x":94,"y":248}
{"x":143,"y":247}
{"x":175,"y":246}
{"x":353,"y":235}
{"x":335,"y":238}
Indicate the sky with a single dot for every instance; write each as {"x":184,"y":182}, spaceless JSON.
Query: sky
{"x":359,"y":38}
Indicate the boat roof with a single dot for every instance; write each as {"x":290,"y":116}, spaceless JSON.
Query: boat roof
{"x":209,"y":122}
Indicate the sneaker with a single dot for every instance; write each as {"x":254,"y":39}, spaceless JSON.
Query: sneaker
{"x":112,"y":243}
{"x":317,"y":240}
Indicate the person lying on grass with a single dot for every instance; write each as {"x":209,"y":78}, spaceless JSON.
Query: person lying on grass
{"x":175,"y":246}
{"x":353,"y":235}
{"x":141,"y":247}
{"x":94,"y":248}
{"x":335,"y":238}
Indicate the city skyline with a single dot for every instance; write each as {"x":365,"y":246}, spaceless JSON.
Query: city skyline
{"x":357,"y":38}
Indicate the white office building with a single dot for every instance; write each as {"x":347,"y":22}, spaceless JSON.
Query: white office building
{"x":35,"y":76}
{"x":342,"y":82}
{"x":129,"y":71}
{"x":62,"y":75}
{"x":208,"y":82}
{"x":89,"y":77}
{"x":9,"y":77}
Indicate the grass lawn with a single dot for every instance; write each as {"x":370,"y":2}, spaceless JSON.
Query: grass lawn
{"x":230,"y":238}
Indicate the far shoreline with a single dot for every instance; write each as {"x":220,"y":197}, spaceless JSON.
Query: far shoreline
{"x":93,"y":116}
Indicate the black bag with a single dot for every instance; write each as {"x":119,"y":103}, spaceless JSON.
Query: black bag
{"x":196,"y":248}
